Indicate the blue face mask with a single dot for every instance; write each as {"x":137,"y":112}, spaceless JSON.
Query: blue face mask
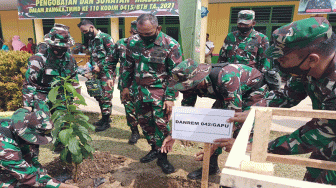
{"x":296,"y":69}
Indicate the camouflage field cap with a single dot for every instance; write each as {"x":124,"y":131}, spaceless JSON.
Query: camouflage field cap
{"x":31,"y":126}
{"x":246,"y":16}
{"x":297,"y":35}
{"x":59,"y":36}
{"x":188,"y":74}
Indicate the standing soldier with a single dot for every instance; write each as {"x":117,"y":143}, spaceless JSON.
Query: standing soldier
{"x":51,"y":61}
{"x":245,"y":46}
{"x":120,"y":54}
{"x":151,"y":55}
{"x":20,"y":137}
{"x":234,"y":86}
{"x":101,"y":49}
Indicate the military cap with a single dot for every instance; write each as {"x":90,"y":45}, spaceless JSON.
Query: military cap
{"x":246,"y":16}
{"x":188,"y":74}
{"x":32,"y":126}
{"x":297,"y":35}
{"x":59,"y":36}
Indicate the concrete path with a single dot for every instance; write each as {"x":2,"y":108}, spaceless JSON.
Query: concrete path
{"x":283,"y":124}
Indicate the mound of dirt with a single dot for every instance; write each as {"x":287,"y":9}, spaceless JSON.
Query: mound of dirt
{"x":148,"y":180}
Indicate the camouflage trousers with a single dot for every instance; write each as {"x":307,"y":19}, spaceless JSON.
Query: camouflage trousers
{"x":153,"y":121}
{"x":105,"y":102}
{"x":131,"y":117}
{"x":19,"y":167}
{"x":316,"y":136}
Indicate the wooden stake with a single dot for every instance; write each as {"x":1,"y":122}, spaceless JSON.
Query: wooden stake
{"x":206,"y":161}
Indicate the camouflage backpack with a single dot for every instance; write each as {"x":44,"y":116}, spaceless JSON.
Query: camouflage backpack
{"x":94,"y":88}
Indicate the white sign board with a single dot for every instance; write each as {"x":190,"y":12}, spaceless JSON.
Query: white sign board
{"x":201,"y":124}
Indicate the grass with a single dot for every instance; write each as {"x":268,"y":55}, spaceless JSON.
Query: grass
{"x":115,"y":140}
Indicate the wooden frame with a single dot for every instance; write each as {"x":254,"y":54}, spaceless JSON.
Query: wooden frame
{"x":234,"y":174}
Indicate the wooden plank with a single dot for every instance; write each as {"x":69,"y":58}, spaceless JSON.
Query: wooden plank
{"x":304,"y":113}
{"x":238,"y":150}
{"x":205,"y":169}
{"x":263,"y":120}
{"x":240,"y":179}
{"x":292,"y":160}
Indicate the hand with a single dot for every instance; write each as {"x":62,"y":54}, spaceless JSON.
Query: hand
{"x":63,"y":185}
{"x":168,"y":106}
{"x":88,"y":75}
{"x":239,"y":117}
{"x":199,"y":156}
{"x":110,"y":83}
{"x":167,"y":145}
{"x":225,"y":142}
{"x":96,"y":69}
{"x":125,"y":95}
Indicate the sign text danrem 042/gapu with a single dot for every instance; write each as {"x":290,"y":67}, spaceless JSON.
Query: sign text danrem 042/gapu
{"x":203,"y":123}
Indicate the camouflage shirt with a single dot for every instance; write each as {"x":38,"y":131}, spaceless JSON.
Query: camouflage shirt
{"x":101,"y":49}
{"x":152,"y":66}
{"x":236,"y":84}
{"x":321,"y":91}
{"x":248,"y":50}
{"x":120,"y":54}
{"x":42,"y":70}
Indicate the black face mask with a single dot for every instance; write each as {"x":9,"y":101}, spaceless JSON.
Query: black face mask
{"x":90,"y":34}
{"x":149,"y":39}
{"x":244,"y":30}
{"x":60,"y":52}
{"x":295,"y":70}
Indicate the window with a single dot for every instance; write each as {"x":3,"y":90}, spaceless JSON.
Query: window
{"x":48,"y":24}
{"x":171,"y":26}
{"x":332,"y":20}
{"x":121,"y":28}
{"x":268,"y":18}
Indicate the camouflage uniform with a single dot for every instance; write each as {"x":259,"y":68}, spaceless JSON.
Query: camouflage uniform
{"x":101,"y":49}
{"x":152,"y":67}
{"x":317,"y":135}
{"x":44,"y":67}
{"x":234,"y":86}
{"x":20,"y":137}
{"x":249,"y":50}
{"x":120,"y":53}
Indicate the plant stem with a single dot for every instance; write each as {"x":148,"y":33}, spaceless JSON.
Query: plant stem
{"x":76,"y":171}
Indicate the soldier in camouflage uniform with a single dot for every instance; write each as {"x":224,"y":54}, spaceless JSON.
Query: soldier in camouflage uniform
{"x":51,"y":61}
{"x":101,"y":48}
{"x":234,"y":86}
{"x":306,"y":50}
{"x":151,"y":55}
{"x":19,"y":137}
{"x":246,"y":45}
{"x":120,"y":54}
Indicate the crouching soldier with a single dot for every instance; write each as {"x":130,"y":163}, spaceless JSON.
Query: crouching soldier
{"x":234,"y":86}
{"x":20,"y":137}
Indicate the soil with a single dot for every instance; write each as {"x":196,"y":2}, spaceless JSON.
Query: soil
{"x":115,"y":171}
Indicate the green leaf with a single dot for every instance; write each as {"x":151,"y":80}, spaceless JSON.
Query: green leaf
{"x":57,"y":114}
{"x":81,"y":98}
{"x":54,"y":82}
{"x":86,"y":124}
{"x":64,"y":154}
{"x":70,"y":88}
{"x":65,"y":136}
{"x":53,"y":94}
{"x":58,"y":105}
{"x":74,"y":146}
{"x":72,"y":108}
{"x":77,"y":159}
{"x":84,"y":117}
{"x":85,"y":153}
{"x":89,"y":148}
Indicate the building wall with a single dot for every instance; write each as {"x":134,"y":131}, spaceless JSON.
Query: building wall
{"x":11,"y":25}
{"x":219,"y":18}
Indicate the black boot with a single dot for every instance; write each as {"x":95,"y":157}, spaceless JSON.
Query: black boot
{"x":134,"y":136}
{"x":213,"y":169}
{"x":165,"y":165}
{"x":105,"y":123}
{"x":98,"y":123}
{"x":152,"y":155}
